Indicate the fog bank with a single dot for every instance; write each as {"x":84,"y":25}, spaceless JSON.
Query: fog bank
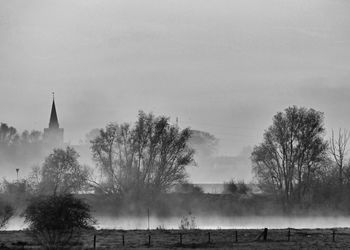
{"x":211,"y":222}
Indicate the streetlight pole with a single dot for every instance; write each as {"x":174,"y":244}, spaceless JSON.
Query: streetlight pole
{"x":148,"y":218}
{"x":17,"y":170}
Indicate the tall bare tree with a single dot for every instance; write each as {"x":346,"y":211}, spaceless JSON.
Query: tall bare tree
{"x":291,"y":150}
{"x":338,"y":149}
{"x":152,"y":154}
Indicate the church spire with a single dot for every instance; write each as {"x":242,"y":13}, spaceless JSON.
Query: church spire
{"x":53,"y":117}
{"x":53,"y":135}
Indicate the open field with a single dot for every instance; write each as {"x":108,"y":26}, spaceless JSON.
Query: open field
{"x":199,"y":239}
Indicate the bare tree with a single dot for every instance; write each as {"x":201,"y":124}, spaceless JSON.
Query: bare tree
{"x":338,"y":149}
{"x":61,"y":173}
{"x":292,"y":148}
{"x":151,"y":155}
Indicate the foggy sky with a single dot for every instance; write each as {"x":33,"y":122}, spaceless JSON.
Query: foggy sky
{"x":223,"y":66}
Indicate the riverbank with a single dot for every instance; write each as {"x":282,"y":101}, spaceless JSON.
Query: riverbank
{"x":200,"y":239}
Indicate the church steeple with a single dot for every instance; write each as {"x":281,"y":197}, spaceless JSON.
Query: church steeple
{"x":53,"y":135}
{"x":53,"y":117}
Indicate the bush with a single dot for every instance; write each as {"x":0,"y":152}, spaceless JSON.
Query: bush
{"x":233,"y":187}
{"x":188,"y":222}
{"x":55,"y":220}
{"x":242,"y":188}
{"x":230,"y":187}
{"x":188,"y":188}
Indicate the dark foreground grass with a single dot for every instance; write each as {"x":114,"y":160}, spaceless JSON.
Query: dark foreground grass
{"x":194,"y":239}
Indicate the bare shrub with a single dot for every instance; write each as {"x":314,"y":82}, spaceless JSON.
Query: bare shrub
{"x":188,"y":222}
{"x":230,"y":187}
{"x":242,"y":187}
{"x":54,"y":221}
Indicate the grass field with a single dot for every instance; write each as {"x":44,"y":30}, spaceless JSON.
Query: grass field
{"x":199,"y":239}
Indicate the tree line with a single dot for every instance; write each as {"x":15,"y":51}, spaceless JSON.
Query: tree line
{"x":134,"y":160}
{"x":20,"y":148}
{"x":149,"y":156}
{"x":295,"y":162}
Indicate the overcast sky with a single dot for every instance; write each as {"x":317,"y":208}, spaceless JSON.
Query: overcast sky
{"x":223,"y":66}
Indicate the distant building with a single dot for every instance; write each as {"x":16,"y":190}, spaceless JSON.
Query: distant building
{"x":53,"y":135}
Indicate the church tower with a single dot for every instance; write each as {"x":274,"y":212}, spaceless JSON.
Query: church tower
{"x":53,"y":135}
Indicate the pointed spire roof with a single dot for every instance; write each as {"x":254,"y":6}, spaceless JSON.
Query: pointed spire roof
{"x":53,"y":117}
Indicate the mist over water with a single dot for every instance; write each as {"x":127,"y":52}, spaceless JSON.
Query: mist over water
{"x":220,"y":222}
{"x":210,"y":222}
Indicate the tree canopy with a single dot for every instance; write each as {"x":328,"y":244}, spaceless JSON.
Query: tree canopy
{"x":150,"y":155}
{"x":291,"y":151}
{"x":62,"y":173}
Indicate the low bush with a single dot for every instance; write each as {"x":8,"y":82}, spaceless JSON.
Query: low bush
{"x":54,"y":221}
{"x":188,"y":222}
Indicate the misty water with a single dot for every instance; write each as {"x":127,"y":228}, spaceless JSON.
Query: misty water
{"x":210,"y":222}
